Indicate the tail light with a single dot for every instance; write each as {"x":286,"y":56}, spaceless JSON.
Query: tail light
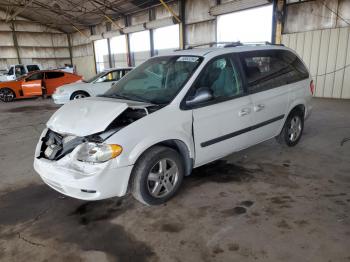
{"x":312,"y":87}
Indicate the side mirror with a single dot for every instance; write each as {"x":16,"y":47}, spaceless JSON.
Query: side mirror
{"x":202,"y":94}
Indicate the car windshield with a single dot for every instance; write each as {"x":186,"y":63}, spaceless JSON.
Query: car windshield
{"x":95,"y":77}
{"x":156,"y":81}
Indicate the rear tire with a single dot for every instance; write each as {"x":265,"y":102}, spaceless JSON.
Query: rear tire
{"x":7,"y":95}
{"x":79,"y":95}
{"x":292,"y":129}
{"x":157,"y":175}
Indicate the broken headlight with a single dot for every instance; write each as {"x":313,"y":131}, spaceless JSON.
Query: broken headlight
{"x":97,"y":152}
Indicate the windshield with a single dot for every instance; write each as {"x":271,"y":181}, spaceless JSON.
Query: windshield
{"x":95,"y":77}
{"x":156,"y":81}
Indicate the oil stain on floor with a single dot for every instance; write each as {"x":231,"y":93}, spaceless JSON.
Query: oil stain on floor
{"x":44,"y":215}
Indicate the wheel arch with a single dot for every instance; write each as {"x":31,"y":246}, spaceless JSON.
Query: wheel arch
{"x":298,"y":107}
{"x":295,"y":107}
{"x":14,"y":91}
{"x":178,"y":145}
{"x":78,"y":91}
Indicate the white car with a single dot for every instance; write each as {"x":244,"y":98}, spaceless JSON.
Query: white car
{"x":171,"y":114}
{"x":97,"y":85}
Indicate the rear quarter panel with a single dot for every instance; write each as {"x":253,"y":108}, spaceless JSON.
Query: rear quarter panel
{"x":57,"y":82}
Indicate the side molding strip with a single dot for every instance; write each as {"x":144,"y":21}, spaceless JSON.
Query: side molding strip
{"x":240,"y":132}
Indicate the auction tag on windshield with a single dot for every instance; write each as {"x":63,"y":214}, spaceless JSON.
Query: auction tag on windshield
{"x":188,"y":59}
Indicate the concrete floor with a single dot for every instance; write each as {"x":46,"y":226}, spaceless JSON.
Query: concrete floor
{"x":267,"y":203}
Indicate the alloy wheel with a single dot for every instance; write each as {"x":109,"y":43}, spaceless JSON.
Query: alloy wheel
{"x":294,"y":130}
{"x":162,"y":178}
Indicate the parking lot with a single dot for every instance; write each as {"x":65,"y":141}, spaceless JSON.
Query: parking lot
{"x":266,"y":203}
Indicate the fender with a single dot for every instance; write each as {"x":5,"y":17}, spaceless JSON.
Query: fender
{"x":140,"y":148}
{"x":297,"y":102}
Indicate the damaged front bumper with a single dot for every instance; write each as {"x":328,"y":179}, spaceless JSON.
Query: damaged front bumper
{"x":88,"y":182}
{"x":82,"y":180}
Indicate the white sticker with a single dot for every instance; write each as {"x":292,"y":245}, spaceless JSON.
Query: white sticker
{"x":188,"y":59}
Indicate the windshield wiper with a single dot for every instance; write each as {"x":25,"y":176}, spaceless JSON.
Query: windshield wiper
{"x":116,"y":96}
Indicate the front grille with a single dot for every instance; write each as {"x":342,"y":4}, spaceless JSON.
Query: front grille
{"x":55,"y":146}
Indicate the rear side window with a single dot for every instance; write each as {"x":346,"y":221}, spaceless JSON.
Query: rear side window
{"x":51,"y":75}
{"x":272,"y":68}
{"x":31,"y":68}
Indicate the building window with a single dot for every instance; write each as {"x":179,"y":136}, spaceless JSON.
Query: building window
{"x":119,"y":51}
{"x":101,"y":55}
{"x":166,"y":39}
{"x":253,"y":25}
{"x":295,"y":1}
{"x":140,"y":47}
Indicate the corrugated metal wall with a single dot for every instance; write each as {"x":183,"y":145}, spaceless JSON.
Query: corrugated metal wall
{"x":327,"y":54}
{"x":36,"y":44}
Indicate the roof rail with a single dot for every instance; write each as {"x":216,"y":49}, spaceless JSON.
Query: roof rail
{"x":229,"y":44}
{"x":211,"y":44}
{"x":261,"y":43}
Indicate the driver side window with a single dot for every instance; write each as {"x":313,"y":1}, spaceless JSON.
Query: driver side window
{"x":37,"y":76}
{"x":221,"y":78}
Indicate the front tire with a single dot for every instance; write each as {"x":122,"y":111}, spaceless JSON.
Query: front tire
{"x":292,"y":129}
{"x":79,"y":95}
{"x":157,"y":175}
{"x":7,"y":95}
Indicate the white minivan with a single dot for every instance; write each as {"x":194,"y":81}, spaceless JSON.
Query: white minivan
{"x":171,"y":114}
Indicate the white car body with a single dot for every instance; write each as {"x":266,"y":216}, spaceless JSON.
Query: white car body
{"x":63,"y":94}
{"x":203,"y":134}
{"x":10,"y":75}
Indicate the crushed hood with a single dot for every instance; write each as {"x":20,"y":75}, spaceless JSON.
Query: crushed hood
{"x":88,"y":116}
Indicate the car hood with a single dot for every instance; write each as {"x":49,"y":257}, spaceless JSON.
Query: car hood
{"x":88,"y":116}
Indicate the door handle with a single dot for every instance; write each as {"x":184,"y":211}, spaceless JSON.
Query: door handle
{"x":259,"y":107}
{"x":244,"y":112}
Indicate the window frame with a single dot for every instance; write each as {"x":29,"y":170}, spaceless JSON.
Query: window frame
{"x":107,"y":73}
{"x":262,"y":53}
{"x":55,"y":72}
{"x":235,"y":60}
{"x":35,"y":73}
{"x":30,"y":68}
{"x":201,"y":59}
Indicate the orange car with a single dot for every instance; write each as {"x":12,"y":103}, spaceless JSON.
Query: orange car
{"x":35,"y":84}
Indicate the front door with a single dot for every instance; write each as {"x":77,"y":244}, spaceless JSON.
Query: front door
{"x":221,"y":125}
{"x":32,"y":85}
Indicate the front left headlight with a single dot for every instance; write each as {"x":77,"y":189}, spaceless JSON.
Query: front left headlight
{"x":98,"y":152}
{"x":59,"y":91}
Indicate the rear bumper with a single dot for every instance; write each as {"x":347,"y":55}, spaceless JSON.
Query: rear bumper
{"x":94,"y":183}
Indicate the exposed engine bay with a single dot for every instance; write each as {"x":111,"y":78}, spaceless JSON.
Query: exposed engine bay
{"x":55,"y":146}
